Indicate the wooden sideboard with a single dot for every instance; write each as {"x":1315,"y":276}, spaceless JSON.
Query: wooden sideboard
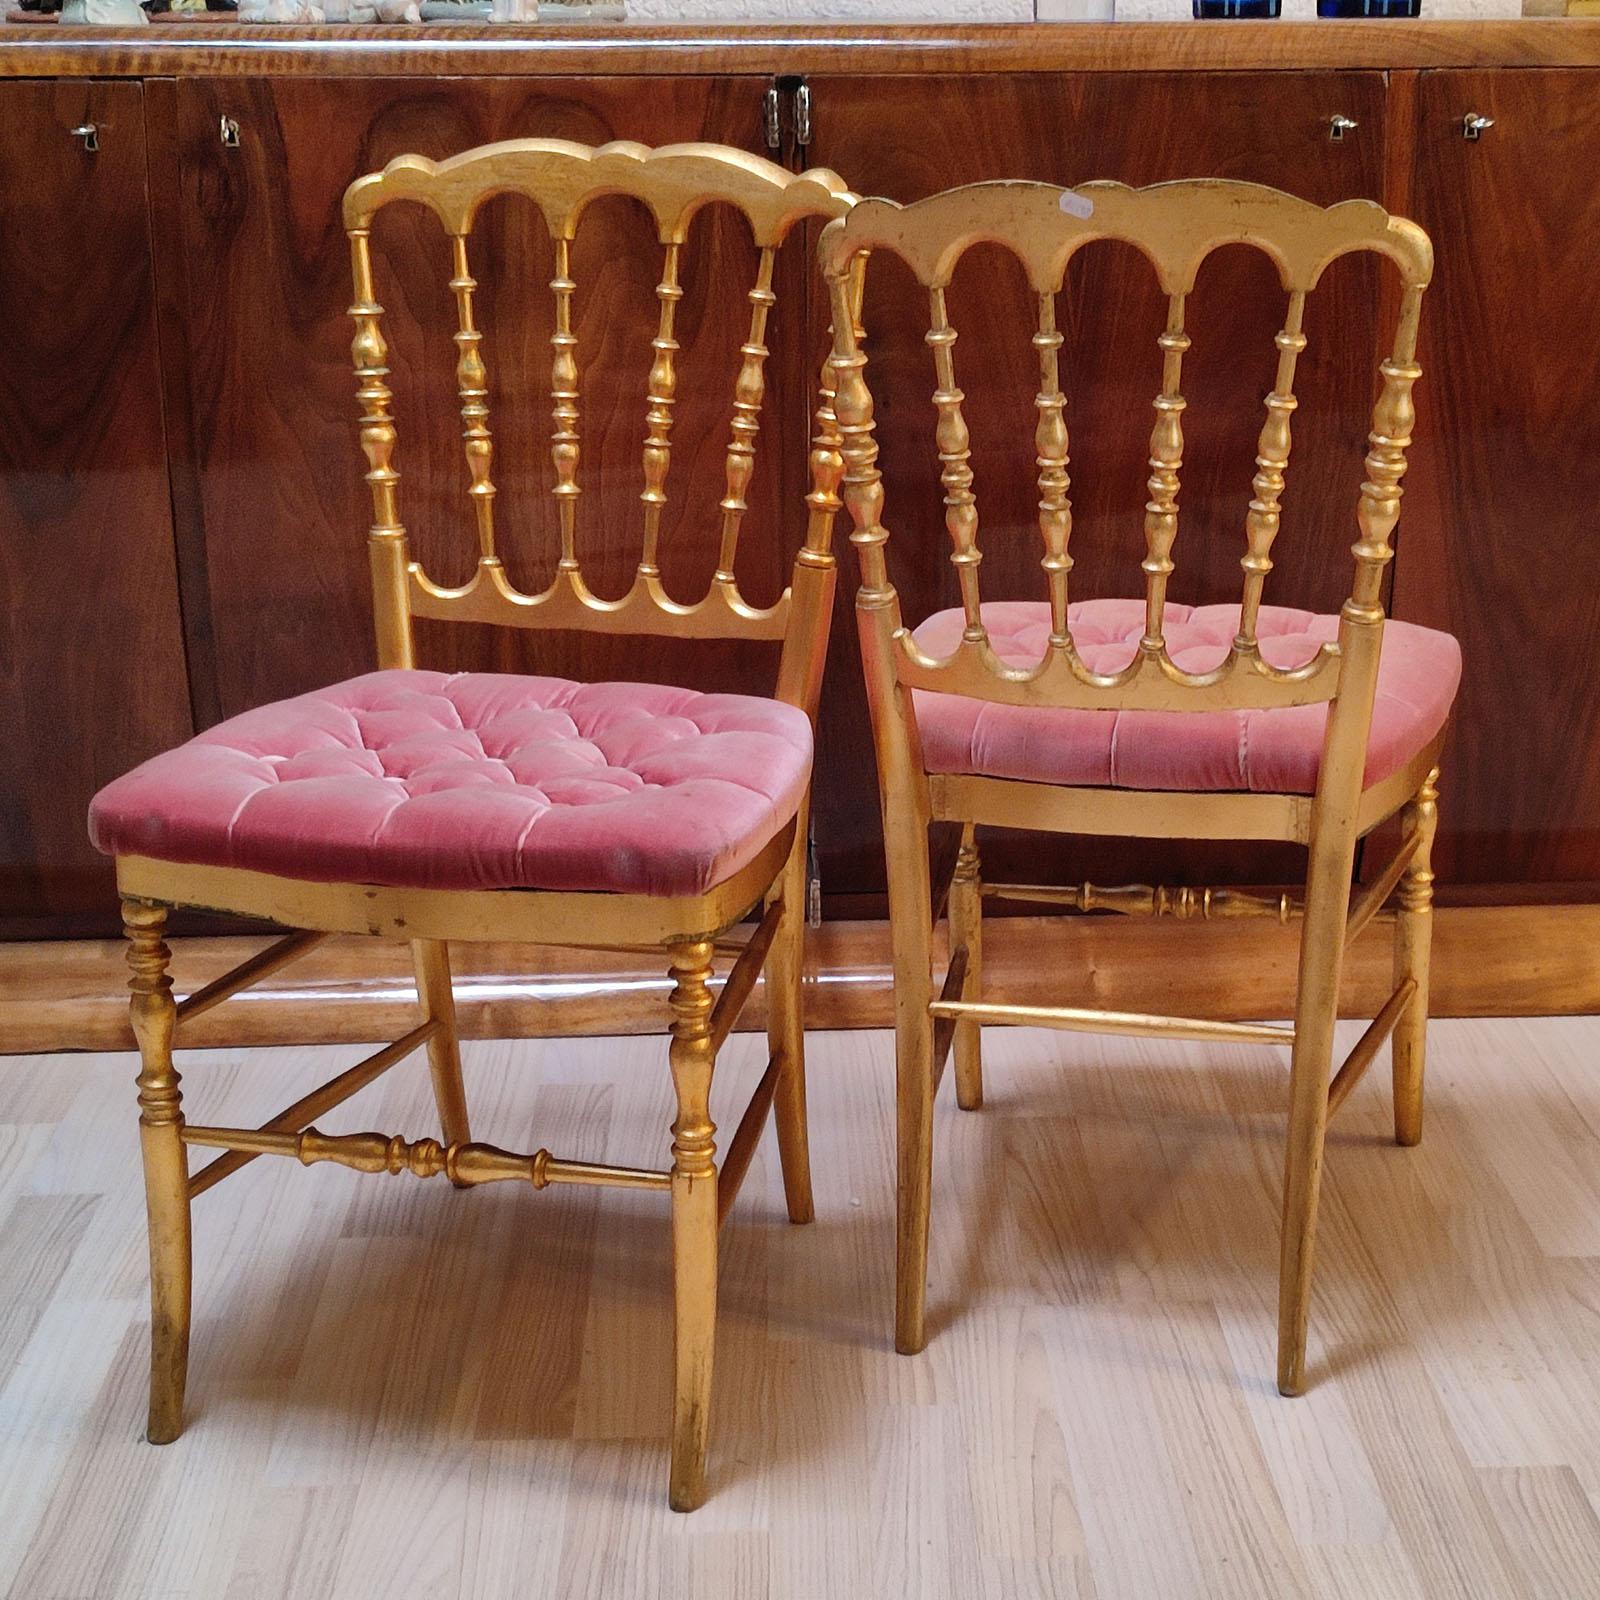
{"x":181,"y":511}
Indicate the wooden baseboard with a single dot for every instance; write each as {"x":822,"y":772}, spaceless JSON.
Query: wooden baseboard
{"x":1488,"y":961}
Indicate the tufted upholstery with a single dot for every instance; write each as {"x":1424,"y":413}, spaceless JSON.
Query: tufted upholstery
{"x":474,"y":781}
{"x":1277,"y":751}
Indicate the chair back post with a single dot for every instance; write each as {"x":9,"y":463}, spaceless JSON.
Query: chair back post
{"x":673,"y":183}
{"x":1361,"y":619}
{"x":816,"y":567}
{"x":387,"y":547}
{"x":895,"y":738}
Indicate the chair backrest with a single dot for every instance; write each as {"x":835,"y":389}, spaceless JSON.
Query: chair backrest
{"x":1175,"y":226}
{"x":562,"y":178}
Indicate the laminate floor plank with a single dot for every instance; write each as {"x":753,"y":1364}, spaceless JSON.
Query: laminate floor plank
{"x":400,"y":1390}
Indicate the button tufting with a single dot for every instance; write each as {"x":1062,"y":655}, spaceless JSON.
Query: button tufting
{"x":475,"y":780}
{"x":1277,"y":751}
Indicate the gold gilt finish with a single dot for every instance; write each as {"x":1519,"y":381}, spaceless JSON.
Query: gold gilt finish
{"x":561,"y":178}
{"x":1174,"y":226}
{"x":674,"y":181}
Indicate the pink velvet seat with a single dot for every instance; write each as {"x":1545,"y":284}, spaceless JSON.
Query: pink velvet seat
{"x":474,"y":781}
{"x":1277,"y":751}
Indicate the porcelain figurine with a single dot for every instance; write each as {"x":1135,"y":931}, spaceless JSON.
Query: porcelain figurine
{"x":373,"y":10}
{"x":280,"y":11}
{"x":113,"y":13}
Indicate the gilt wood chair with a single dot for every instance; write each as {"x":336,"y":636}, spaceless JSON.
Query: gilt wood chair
{"x":431,"y":807}
{"x":1139,"y":717}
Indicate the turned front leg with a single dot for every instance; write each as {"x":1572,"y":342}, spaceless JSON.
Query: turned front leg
{"x":166,"y":1167}
{"x":694,"y":1222}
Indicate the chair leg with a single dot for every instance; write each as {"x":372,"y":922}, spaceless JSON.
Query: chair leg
{"x":786,"y":1033}
{"x":694,"y":1222}
{"x":966,"y":928}
{"x":166,"y":1167}
{"x":1413,"y":945}
{"x":910,"y":910}
{"x":1316,"y":1009}
{"x":431,"y":958}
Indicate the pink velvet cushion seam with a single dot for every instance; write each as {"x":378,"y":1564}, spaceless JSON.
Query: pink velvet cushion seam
{"x":1276,"y":752}
{"x":474,"y":781}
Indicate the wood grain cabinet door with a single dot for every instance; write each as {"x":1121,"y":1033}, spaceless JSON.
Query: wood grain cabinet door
{"x":906,"y":137}
{"x":278,"y":526}
{"x":1500,"y":540}
{"x":91,"y":646}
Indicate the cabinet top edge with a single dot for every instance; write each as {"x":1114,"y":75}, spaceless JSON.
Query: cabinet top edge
{"x":205,"y":49}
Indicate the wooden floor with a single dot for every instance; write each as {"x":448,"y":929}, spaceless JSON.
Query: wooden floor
{"x":400,"y":1390}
